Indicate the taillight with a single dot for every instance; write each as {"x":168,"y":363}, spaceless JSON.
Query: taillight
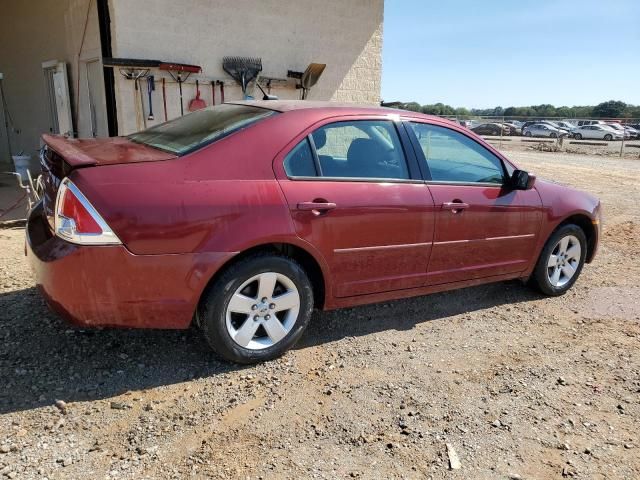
{"x":77,"y":221}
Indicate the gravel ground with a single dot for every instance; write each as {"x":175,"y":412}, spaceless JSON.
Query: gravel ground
{"x":517,"y":385}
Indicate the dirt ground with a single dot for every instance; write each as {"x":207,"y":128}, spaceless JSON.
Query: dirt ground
{"x":519,"y":385}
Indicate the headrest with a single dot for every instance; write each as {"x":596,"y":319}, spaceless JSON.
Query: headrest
{"x":363,"y":151}
{"x":319,"y":138}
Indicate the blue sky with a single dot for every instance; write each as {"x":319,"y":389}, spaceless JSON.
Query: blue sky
{"x":485,"y":53}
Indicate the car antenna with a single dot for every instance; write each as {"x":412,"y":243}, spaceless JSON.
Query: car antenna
{"x":265,"y":95}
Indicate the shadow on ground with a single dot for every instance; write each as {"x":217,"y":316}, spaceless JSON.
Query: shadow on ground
{"x":43,"y":359}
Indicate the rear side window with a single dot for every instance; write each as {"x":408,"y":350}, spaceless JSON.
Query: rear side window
{"x":454,"y":157}
{"x":299,"y":162}
{"x":360,"y":149}
{"x":202,"y":127}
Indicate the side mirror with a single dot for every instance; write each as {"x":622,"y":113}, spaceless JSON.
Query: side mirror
{"x":521,"y":180}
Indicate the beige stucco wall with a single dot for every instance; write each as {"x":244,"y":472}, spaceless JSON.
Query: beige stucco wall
{"x":31,"y":34}
{"x":287,"y":35}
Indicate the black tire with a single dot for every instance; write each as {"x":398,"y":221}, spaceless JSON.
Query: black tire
{"x":553,"y":135}
{"x":528,"y":134}
{"x":539,"y":278}
{"x":577,"y":136}
{"x":608,"y":137}
{"x":213,"y":307}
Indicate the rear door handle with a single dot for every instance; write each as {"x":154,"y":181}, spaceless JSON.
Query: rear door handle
{"x":455,"y":207}
{"x":317,"y":206}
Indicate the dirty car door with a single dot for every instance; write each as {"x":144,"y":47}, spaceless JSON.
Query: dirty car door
{"x":483,"y":227}
{"x":356,"y":196}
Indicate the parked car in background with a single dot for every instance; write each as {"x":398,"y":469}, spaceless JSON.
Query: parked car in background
{"x":512,"y":128}
{"x":569,"y":127}
{"x":492,"y":129}
{"x":534,"y":122}
{"x":633,"y":132}
{"x":243,"y":217}
{"x":543,"y":130}
{"x":620,"y":129}
{"x":582,"y":123}
{"x":559,"y":126}
{"x":596,"y":132}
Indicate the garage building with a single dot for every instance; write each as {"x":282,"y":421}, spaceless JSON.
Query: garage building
{"x":51,"y":59}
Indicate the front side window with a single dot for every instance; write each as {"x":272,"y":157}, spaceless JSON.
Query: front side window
{"x":202,"y":127}
{"x":360,"y":149}
{"x":454,"y":157}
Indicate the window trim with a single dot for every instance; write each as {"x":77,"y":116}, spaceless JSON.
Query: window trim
{"x":314,"y":154}
{"x":357,"y":179}
{"x":411,"y":161}
{"x":424,"y":165}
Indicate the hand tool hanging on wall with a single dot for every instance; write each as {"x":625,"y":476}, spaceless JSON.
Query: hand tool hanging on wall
{"x":151,"y":86}
{"x":176,"y":70}
{"x":138,"y":90}
{"x":133,"y":69}
{"x":197,"y":103}
{"x":221,"y":83}
{"x":164,"y":99}
{"x":243,"y":70}
{"x":213,"y":92}
{"x":308,"y":78}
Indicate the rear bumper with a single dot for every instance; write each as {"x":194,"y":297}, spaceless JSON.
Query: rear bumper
{"x":110,"y":286}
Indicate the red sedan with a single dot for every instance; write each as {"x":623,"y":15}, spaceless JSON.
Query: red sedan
{"x":245,"y":216}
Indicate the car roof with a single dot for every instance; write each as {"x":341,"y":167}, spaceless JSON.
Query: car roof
{"x":329,"y":107}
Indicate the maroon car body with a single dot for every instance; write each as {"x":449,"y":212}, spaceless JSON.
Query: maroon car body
{"x":182,"y":219}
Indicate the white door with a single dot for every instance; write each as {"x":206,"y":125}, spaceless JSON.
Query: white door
{"x":97,"y":107}
{"x":59,"y":101}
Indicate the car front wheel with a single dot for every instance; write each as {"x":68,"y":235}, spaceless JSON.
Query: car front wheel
{"x":561,"y":261}
{"x":257,"y":309}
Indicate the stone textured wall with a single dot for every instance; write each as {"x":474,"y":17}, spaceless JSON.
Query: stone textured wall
{"x":287,"y":35}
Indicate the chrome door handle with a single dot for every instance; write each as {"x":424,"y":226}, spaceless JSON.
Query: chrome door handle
{"x":455,"y":207}
{"x":318,"y":206}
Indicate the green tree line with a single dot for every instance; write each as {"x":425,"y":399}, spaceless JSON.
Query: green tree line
{"x":610,"y":109}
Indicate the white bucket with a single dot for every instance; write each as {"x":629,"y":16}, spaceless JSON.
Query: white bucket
{"x":21,"y":163}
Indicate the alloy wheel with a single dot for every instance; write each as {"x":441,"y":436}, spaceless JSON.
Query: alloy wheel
{"x":262,"y":311}
{"x":564,"y":260}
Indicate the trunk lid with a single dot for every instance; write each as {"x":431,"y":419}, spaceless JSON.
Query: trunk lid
{"x":61,"y":155}
{"x":103,"y":151}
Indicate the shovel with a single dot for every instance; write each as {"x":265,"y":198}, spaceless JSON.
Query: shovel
{"x":197,"y":103}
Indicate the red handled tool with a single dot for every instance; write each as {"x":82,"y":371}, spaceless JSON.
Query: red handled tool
{"x":164,"y":100}
{"x":221,"y":83}
{"x":176,"y":70}
{"x":197,"y":103}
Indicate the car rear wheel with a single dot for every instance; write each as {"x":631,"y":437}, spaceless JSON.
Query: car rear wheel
{"x":561,"y":261}
{"x":527,"y":134}
{"x":577,"y":136}
{"x":257,"y":309}
{"x":608,"y":137}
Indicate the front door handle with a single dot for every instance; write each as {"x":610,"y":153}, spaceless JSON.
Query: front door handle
{"x":316,"y":206}
{"x":455,"y":206}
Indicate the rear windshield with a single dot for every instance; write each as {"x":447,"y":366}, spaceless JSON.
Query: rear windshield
{"x":200,"y":128}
